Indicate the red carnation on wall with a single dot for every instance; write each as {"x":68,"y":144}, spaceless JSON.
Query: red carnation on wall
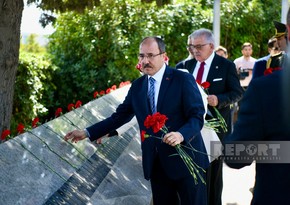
{"x":58,"y":112}
{"x":102,"y":92}
{"x":96,"y":93}
{"x":78,"y":104}
{"x":114,"y":87}
{"x":35,"y":121}
{"x":20,"y":128}
{"x":70,"y":107}
{"x":5,"y":134}
{"x":108,"y":90}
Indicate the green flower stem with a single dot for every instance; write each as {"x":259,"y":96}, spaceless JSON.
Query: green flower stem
{"x":191,"y":165}
{"x":46,"y":165}
{"x":221,"y":119}
{"x":212,"y":124}
{"x":195,"y":150}
{"x":74,"y":166}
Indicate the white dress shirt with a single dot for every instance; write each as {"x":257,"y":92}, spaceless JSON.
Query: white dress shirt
{"x":207,"y":65}
{"x":158,"y":78}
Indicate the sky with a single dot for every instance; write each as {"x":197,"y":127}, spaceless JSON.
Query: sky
{"x":30,"y":22}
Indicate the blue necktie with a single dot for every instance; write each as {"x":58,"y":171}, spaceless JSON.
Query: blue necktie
{"x":151,"y":94}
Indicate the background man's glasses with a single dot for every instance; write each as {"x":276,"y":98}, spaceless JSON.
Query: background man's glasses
{"x":197,"y":47}
{"x":149,"y":56}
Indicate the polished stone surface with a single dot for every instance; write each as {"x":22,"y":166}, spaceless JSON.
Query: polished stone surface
{"x":39,"y":167}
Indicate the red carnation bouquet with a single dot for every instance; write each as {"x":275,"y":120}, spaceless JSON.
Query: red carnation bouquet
{"x":213,"y":123}
{"x":157,"y":123}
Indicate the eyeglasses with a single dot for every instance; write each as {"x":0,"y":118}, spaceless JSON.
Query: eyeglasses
{"x":197,"y":47}
{"x":149,"y":56}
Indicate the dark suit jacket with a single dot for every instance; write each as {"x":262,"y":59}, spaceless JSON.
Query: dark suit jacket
{"x":224,"y":83}
{"x":183,"y":64}
{"x":180,"y":100}
{"x":260,"y":66}
{"x":261,"y":118}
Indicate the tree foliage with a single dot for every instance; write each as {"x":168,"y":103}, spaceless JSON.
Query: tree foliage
{"x":96,"y":43}
{"x":248,"y":21}
{"x":98,"y":48}
{"x":34,"y":88}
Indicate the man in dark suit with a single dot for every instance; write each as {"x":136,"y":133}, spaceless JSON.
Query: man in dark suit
{"x":274,"y":59}
{"x":181,"y":64}
{"x":261,"y":118}
{"x":224,"y":90}
{"x":264,"y":117}
{"x":177,"y":97}
{"x":261,"y":64}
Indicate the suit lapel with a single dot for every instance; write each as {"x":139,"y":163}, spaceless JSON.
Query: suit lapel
{"x":143,"y":95}
{"x":192,"y":66}
{"x":213,"y":69}
{"x":166,"y":80}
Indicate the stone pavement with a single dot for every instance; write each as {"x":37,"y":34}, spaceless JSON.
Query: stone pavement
{"x":237,"y":183}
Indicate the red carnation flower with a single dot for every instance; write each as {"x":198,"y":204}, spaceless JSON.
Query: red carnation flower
{"x":70,"y":107}
{"x":78,"y":104}
{"x":5,"y":134}
{"x":35,"y":121}
{"x":166,"y":59}
{"x":205,"y":85}
{"x":114,"y":87}
{"x":96,"y":94}
{"x":20,"y":128}
{"x":102,"y":92}
{"x":155,"y":121}
{"x":108,"y":90}
{"x":138,"y":66}
{"x":143,"y":133}
{"x":58,"y":112}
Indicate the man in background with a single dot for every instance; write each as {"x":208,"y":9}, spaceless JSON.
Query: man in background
{"x":281,"y":35}
{"x":184,"y":64}
{"x":265,"y":62}
{"x":221,"y":51}
{"x":224,"y":90}
{"x":264,"y":119}
{"x":245,"y":64}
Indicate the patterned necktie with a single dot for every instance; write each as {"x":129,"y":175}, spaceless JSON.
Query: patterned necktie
{"x":151,"y":94}
{"x":200,"y":72}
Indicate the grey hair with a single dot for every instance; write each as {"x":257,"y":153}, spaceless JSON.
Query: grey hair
{"x":203,"y":33}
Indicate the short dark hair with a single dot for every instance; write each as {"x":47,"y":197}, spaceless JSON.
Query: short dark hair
{"x":247,"y":44}
{"x":272,"y":42}
{"x":221,"y":48}
{"x":159,"y":41}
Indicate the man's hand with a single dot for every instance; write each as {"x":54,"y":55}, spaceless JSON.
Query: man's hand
{"x":173,"y":138}
{"x":75,"y":136}
{"x":212,"y":100}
